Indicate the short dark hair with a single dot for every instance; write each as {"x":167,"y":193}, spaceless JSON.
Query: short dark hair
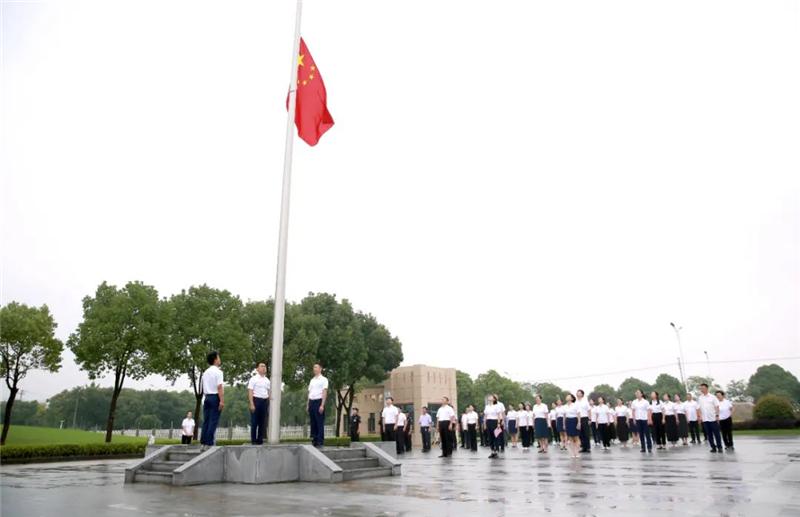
{"x":446,"y":398}
{"x":355,"y":409}
{"x":581,"y":392}
{"x":259,"y":363}
{"x":425,"y":408}
{"x":720,"y":392}
{"x":390,"y":398}
{"x":212,"y":356}
{"x":704,"y":384}
{"x":318,"y":364}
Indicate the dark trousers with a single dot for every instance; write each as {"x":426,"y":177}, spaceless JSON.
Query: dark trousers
{"x":554,"y":431}
{"x":659,"y":434}
{"x":644,"y":434}
{"x":446,"y":438}
{"x":604,"y":433}
{"x":211,"y":414}
{"x":713,"y":434}
{"x":400,"y":436}
{"x":694,"y":431}
{"x":472,"y":435}
{"x":426,"y":438}
{"x":494,"y":441}
{"x":484,"y":439}
{"x":388,"y":433}
{"x":726,"y":427}
{"x":186,"y":440}
{"x":463,"y":434}
{"x":595,"y":434}
{"x":258,"y":421}
{"x":524,"y":436}
{"x":317,"y":422}
{"x":585,"y":433}
{"x":407,"y":439}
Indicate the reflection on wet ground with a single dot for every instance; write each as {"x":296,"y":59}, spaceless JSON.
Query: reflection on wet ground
{"x":761,"y":478}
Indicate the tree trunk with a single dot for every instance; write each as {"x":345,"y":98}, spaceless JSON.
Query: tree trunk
{"x":197,"y":418}
{"x":340,"y":403}
{"x":111,"y":412}
{"x":7,"y":416}
{"x":349,"y":401}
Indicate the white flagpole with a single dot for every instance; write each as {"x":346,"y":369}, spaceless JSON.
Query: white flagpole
{"x":280,"y":281}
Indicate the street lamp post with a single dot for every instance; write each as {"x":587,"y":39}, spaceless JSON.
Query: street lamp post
{"x":682,"y":363}
{"x":708,"y":365}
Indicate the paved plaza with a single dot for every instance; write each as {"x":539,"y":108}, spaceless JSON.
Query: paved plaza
{"x":762,"y":478}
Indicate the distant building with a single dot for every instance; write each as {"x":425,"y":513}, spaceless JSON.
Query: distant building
{"x":411,"y":387}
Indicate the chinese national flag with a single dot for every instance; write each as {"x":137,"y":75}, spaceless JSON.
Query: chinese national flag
{"x":311,"y":117}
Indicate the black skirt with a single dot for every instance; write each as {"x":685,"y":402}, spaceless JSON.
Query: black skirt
{"x":683,"y":426}
{"x":671,"y":422}
{"x":622,"y":429}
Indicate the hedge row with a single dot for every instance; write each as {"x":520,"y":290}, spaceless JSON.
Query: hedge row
{"x":66,"y":450}
{"x":766,"y":423}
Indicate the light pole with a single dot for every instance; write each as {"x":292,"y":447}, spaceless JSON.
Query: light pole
{"x":708,"y":365}
{"x":681,"y":362}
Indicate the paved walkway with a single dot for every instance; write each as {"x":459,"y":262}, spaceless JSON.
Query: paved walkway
{"x":762,"y":478}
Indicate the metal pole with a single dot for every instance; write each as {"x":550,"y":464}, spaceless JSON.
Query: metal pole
{"x":708,"y":365}
{"x":681,"y":362}
{"x":280,"y":281}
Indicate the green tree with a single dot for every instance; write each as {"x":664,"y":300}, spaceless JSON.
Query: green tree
{"x":148,"y":422}
{"x":465,"y":391}
{"x":27,"y":342}
{"x":606,"y":391}
{"x":203,"y":319}
{"x":773,"y":407}
{"x":629,"y":386}
{"x":120,"y":331}
{"x":666,"y":383}
{"x":693,"y":384}
{"x":771,"y":378}
{"x":509,"y":391}
{"x":549,"y":392}
{"x":737,"y":390}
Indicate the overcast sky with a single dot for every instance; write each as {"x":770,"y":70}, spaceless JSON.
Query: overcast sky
{"x":534,"y":187}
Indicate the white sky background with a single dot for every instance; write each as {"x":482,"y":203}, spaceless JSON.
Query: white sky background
{"x":538,"y":188}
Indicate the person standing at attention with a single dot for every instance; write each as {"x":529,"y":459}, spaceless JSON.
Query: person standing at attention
{"x":657,"y":421}
{"x":187,"y":429}
{"x":425,"y":429}
{"x":463,"y":430}
{"x":400,"y":432}
{"x":511,"y":419}
{"x":683,"y":427}
{"x":502,"y":425}
{"x":572,"y":424}
{"x":522,"y":423}
{"x":691,"y":417}
{"x":541,"y":421}
{"x":553,"y":431}
{"x":670,"y":419}
{"x":258,"y":396}
{"x":389,"y":417}
{"x":725,"y":419}
{"x":583,"y":415}
{"x":317,"y":393}
{"x":560,"y":426}
{"x":643,"y":415}
{"x":355,"y":425}
{"x":212,"y":381}
{"x":472,"y":428}
{"x":708,"y":411}
{"x":621,"y":412}
{"x":446,"y":420}
{"x":493,"y":417}
{"x":604,"y":419}
{"x":593,"y":418}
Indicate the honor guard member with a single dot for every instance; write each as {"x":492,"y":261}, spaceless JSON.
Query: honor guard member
{"x":400,"y":432}
{"x":258,"y":395}
{"x":317,"y":393}
{"x":445,"y":420}
{"x":425,"y":422}
{"x":583,"y":419}
{"x":212,"y":381}
{"x":389,"y":417}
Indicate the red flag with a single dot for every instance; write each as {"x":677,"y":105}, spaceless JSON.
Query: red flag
{"x":311,"y":116}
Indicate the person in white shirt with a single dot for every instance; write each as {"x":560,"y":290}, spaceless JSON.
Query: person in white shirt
{"x":503,"y":425}
{"x":593,"y":421}
{"x":670,"y":419}
{"x":446,"y":421}
{"x":584,"y":428}
{"x":187,"y":429}
{"x":572,"y":424}
{"x":541,"y":426}
{"x":258,"y":396}
{"x":400,"y":431}
{"x":317,"y":393}
{"x":212,"y":381}
{"x":472,"y":428}
{"x":683,"y":426}
{"x":621,"y":414}
{"x":493,"y":416}
{"x":389,"y":418}
{"x":708,"y":412}
{"x":725,"y":419}
{"x":604,"y":419}
{"x":659,"y":436}
{"x":634,"y":434}
{"x":554,"y":436}
{"x":691,"y":416}
{"x":523,"y":425}
{"x":643,"y":415}
{"x":463,"y":430}
{"x":511,"y":421}
{"x":561,"y":427}
{"x":425,"y":423}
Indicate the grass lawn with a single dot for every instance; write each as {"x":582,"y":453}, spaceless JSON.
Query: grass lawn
{"x":26,"y":435}
{"x":768,"y":432}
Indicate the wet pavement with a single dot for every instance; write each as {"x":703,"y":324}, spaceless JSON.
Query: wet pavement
{"x":762,"y":478}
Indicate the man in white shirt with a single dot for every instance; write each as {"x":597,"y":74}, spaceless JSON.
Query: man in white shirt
{"x":583,"y":414}
{"x":258,"y":396}
{"x":690,"y":406}
{"x":502,"y":437}
{"x":446,"y":421}
{"x":463,"y":431}
{"x":472,"y":428}
{"x":425,"y":423}
{"x":725,"y":419}
{"x":317,"y":393}
{"x":389,"y":417}
{"x":708,"y":411}
{"x":400,"y":432}
{"x":187,"y":429}
{"x":211,"y":381}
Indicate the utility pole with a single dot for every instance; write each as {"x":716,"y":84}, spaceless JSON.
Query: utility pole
{"x":681,"y":362}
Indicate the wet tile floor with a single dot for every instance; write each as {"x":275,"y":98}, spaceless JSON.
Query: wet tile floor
{"x":761,"y":478}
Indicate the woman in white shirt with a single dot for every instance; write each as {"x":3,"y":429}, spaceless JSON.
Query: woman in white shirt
{"x":493,"y":417}
{"x":725,"y":419}
{"x":561,"y":427}
{"x":511,"y":420}
{"x":670,"y":419}
{"x":683,"y":425}
{"x":604,"y":419}
{"x":659,"y":436}
{"x":541,"y":417}
{"x":572,"y":425}
{"x":522,"y":423}
{"x":553,"y":431}
{"x":621,"y":414}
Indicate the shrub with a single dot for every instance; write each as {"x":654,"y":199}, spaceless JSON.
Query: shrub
{"x":773,"y":407}
{"x":766,"y":423}
{"x":370,"y":438}
{"x":67,"y":450}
